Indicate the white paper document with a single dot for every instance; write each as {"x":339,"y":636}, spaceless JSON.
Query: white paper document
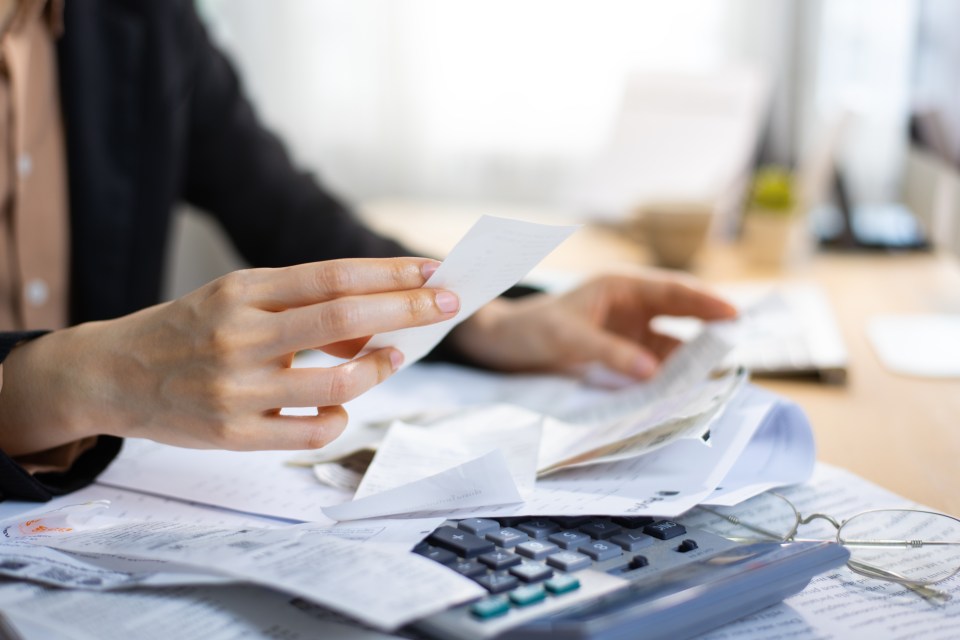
{"x":186,"y":613}
{"x":492,"y":257}
{"x":483,"y":482}
{"x":686,"y":413}
{"x":410,"y":452}
{"x":257,"y":482}
{"x":313,"y":564}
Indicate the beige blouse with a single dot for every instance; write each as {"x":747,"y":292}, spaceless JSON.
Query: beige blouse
{"x":34,"y":227}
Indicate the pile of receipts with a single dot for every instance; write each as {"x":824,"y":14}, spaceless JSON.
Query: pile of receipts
{"x":686,"y":438}
{"x":335,"y":527}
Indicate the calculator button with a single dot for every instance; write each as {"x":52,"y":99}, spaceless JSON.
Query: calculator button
{"x":497,"y":582}
{"x":569,"y":561}
{"x":536,"y":549}
{"x":601,"y":550}
{"x":436,"y":554}
{"x":687,"y":546}
{"x":632,"y":540}
{"x":538,"y":529}
{"x":526,"y":595}
{"x":507,"y":537}
{"x":562,"y":584}
{"x":478,"y":526}
{"x":638,"y":562}
{"x":632,"y":522}
{"x":469,"y":568}
{"x":569,"y":539}
{"x":490,"y":607}
{"x":600,"y":529}
{"x":572,"y":522}
{"x":532,"y":572}
{"x":460,"y":542}
{"x":500,"y":559}
{"x":664,"y":529}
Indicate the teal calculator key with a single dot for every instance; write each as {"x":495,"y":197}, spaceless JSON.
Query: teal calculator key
{"x":562,"y":584}
{"x":490,"y":607}
{"x":530,"y":594}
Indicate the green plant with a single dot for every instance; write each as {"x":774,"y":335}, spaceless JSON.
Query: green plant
{"x":772,"y":190}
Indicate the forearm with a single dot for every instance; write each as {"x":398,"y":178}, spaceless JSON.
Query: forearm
{"x":32,"y":417}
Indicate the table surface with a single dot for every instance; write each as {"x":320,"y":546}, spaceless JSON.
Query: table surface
{"x":900,"y":432}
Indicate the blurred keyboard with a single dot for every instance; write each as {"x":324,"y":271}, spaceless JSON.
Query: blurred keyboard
{"x":787,"y":329}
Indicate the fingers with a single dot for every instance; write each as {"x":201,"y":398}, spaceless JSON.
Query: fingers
{"x":306,"y":284}
{"x":310,"y":387}
{"x":677,"y":298}
{"x":276,"y":432}
{"x":618,"y":353}
{"x":352,"y":317}
{"x":326,"y":389}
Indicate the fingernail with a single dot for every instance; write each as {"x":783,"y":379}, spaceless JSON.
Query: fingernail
{"x":644,"y":366}
{"x":428,"y":269}
{"x":396,"y":359}
{"x":448,"y":302}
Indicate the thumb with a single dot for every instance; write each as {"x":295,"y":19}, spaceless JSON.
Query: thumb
{"x":618,"y":353}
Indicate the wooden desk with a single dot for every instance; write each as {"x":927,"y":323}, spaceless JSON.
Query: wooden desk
{"x":902,"y":433}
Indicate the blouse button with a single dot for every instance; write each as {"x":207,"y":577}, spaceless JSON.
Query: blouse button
{"x":24,"y":165}
{"x":37,"y":292}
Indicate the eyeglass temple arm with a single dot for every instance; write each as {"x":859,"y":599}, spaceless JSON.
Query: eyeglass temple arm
{"x":872,"y":571}
{"x":746,"y":525}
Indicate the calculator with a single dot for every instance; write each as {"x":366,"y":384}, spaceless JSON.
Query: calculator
{"x":610,"y":577}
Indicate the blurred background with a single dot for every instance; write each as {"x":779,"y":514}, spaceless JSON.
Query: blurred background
{"x":607,"y":110}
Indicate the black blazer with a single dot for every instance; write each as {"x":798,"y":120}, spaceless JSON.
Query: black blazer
{"x":155,"y":114}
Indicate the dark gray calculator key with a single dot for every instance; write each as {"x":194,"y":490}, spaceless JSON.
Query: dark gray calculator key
{"x":507,"y":537}
{"x":600,"y":529}
{"x":460,"y":542}
{"x":572,"y":522}
{"x":532,"y":571}
{"x":569,"y":561}
{"x":569,"y":539}
{"x":478,"y":526}
{"x":687,"y":546}
{"x":539,"y":528}
{"x":469,"y":568}
{"x":632,"y":522}
{"x":601,"y":550}
{"x":436,"y":554}
{"x":421,"y":546}
{"x":632,"y":540}
{"x":500,"y":559}
{"x":497,"y":582}
{"x":664,"y":529}
{"x":537,"y":549}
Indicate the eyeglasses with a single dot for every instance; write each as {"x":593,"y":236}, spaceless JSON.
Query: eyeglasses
{"x":911,"y":547}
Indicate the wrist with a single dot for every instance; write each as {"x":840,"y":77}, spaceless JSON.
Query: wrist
{"x":36,"y":412}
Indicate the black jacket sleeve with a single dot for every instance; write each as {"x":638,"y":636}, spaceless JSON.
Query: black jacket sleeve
{"x":17,"y":484}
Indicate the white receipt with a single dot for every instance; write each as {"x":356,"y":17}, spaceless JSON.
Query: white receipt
{"x":315,"y":565}
{"x":185,"y":613}
{"x":493,"y":256}
{"x":481,"y":482}
{"x":410,"y":453}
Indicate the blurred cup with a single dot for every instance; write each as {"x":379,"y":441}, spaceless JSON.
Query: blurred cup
{"x":673,"y":231}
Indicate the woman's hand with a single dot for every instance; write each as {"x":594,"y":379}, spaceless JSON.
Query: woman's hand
{"x":213,"y":369}
{"x":605,"y":320}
